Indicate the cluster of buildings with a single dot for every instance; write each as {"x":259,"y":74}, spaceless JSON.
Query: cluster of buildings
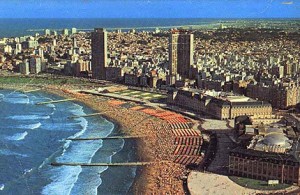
{"x":248,"y":62}
{"x":224,"y":73}
{"x":219,"y":105}
{"x":51,"y":52}
{"x":266,"y":152}
{"x":219,"y":60}
{"x":133,"y":58}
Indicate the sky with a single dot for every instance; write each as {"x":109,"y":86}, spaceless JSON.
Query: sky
{"x":149,"y":8}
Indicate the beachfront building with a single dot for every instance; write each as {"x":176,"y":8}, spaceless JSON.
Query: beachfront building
{"x":24,"y":67}
{"x":181,"y":47}
{"x":270,"y":154}
{"x":99,"y":53}
{"x":35,"y":65}
{"x":82,"y":67}
{"x":219,"y":105}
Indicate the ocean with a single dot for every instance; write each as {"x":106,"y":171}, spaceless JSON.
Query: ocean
{"x":32,"y":136}
{"x":22,"y":27}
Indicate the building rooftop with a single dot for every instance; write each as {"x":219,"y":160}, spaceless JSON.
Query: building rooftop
{"x":234,"y":100}
{"x":273,"y":139}
{"x":266,"y":156}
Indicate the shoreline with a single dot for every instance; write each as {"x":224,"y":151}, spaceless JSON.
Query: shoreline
{"x":118,"y":127}
{"x":156,"y":147}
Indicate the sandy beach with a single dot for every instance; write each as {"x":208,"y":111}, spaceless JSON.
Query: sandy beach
{"x":155,"y":145}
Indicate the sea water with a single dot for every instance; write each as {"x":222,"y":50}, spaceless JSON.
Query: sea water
{"x":29,"y":26}
{"x":32,"y":136}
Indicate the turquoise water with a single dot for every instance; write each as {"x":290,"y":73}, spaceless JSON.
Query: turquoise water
{"x":32,"y":136}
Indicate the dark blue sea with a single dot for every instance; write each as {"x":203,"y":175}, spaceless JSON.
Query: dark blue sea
{"x":32,"y":136}
{"x":21,"y":27}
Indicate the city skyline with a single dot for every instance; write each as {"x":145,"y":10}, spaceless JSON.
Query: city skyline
{"x":189,"y":97}
{"x":150,"y":9}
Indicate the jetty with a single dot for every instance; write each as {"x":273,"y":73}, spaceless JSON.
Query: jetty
{"x":111,"y":137}
{"x":55,"y":101}
{"x":100,"y":164}
{"x":85,"y":115}
{"x":33,"y":90}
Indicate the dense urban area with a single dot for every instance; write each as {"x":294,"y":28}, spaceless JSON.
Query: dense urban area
{"x":240,"y":83}
{"x":259,"y":63}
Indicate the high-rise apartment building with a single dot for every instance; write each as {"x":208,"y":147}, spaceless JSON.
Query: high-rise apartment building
{"x":181,"y":47}
{"x":47,"y":32}
{"x":65,"y":32}
{"x":73,"y":30}
{"x":74,"y":42}
{"x":24,"y":67}
{"x":18,"y":48}
{"x":35,"y":65}
{"x":99,"y":53}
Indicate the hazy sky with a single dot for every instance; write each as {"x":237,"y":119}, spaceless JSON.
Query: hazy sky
{"x":149,"y":8}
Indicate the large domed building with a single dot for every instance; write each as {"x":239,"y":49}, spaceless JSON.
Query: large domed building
{"x":270,"y":154}
{"x":274,"y":140}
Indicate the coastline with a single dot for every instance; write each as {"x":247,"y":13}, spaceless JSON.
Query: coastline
{"x":156,"y":147}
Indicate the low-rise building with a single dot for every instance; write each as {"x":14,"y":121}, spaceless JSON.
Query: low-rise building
{"x":272,"y":153}
{"x":114,"y":73}
{"x":131,"y":79}
{"x":220,"y":105}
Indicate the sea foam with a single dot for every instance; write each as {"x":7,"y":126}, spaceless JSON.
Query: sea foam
{"x":7,"y":152}
{"x":63,"y":179}
{"x":50,"y":105}
{"x":17,"y":136}
{"x":16,"y":98}
{"x":30,"y":126}
{"x":80,"y":151}
{"x":28,"y":117}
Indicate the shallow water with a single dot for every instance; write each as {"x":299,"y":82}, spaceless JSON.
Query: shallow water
{"x":32,"y":136}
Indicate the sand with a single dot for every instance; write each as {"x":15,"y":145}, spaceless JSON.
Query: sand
{"x":161,"y":177}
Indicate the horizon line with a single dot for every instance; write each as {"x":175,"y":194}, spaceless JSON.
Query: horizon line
{"x":222,"y":18}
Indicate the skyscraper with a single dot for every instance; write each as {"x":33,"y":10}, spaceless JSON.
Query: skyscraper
{"x":18,"y":47}
{"x":24,"y":67}
{"x":35,"y":65}
{"x":74,"y":42}
{"x":65,"y":32}
{"x":99,"y":53}
{"x":47,"y":32}
{"x":181,"y":48}
{"x":73,"y":30}
{"x":54,"y":42}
